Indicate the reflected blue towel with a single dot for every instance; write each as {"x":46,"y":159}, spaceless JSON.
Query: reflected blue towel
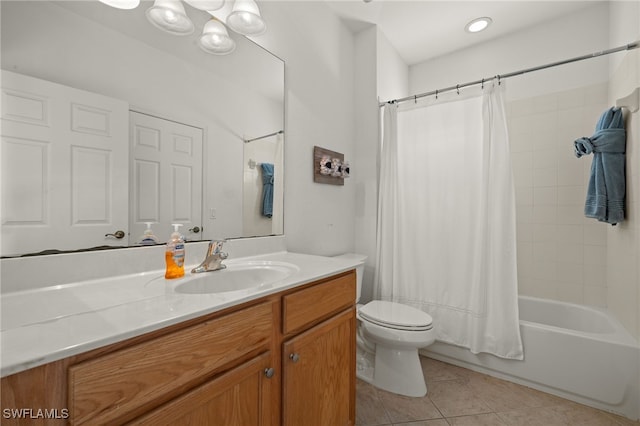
{"x":606,"y":191}
{"x":267,"y":189}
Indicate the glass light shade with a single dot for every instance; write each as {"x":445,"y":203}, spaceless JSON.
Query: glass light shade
{"x":169,"y":16}
{"x":245,"y":18}
{"x":121,"y":4}
{"x":215,"y":39}
{"x":206,"y":4}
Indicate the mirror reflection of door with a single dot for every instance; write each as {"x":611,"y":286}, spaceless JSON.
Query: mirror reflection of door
{"x":166,"y":177}
{"x":63,"y":167}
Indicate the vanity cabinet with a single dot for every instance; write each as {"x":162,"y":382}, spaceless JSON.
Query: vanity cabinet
{"x":319,"y":354}
{"x":286,"y":358}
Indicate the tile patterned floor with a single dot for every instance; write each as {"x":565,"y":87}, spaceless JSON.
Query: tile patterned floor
{"x":462,"y":397}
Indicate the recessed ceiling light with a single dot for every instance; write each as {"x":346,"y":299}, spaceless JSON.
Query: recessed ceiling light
{"x":478,"y":25}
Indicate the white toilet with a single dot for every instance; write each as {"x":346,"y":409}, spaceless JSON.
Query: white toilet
{"x":389,"y":336}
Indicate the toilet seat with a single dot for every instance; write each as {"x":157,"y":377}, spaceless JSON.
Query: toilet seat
{"x":396,"y":316}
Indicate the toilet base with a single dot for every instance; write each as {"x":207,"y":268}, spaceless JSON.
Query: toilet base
{"x":399,"y":371}
{"x":393,"y":370}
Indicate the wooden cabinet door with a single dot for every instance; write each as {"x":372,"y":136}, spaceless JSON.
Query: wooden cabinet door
{"x":319,"y":374}
{"x":240,"y":397}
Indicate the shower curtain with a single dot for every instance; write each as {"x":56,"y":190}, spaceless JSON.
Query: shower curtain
{"x":446,"y":218}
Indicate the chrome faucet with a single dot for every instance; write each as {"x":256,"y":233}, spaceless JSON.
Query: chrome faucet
{"x":214,"y":258}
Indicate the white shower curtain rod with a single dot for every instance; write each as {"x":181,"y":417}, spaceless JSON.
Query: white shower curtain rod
{"x":457,"y":87}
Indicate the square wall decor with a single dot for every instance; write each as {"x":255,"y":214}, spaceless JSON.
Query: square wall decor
{"x":329,"y":166}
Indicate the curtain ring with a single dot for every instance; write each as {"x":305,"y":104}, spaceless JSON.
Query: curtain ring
{"x":498,"y":79}
{"x":458,"y":88}
{"x":436,"y":94}
{"x":415,"y":99}
{"x":482,"y":87}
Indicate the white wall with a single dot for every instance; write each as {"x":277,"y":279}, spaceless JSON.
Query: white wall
{"x":393,"y":72}
{"x":380,"y":75}
{"x":320,"y":110}
{"x":579,"y":34}
{"x":366,"y":152}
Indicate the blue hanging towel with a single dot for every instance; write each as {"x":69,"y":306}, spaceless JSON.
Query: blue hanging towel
{"x":267,"y":189}
{"x":606,"y":190}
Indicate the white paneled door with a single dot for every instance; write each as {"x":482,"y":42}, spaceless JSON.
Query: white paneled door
{"x":65,"y":162}
{"x":166,"y":174}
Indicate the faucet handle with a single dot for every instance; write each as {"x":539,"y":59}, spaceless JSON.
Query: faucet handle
{"x":215,"y":246}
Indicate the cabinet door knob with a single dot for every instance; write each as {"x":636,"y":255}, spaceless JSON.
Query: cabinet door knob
{"x":294,"y":357}
{"x":195,"y":229}
{"x":269,"y":372}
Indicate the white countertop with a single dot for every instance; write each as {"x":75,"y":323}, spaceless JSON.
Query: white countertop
{"x":47,"y":324}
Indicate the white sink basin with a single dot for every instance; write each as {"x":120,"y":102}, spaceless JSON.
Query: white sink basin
{"x":240,"y":277}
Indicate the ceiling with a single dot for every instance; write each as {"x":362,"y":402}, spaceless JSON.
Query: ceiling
{"x":424,"y":29}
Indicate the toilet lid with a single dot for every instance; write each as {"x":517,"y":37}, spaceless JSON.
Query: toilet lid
{"x":396,"y":315}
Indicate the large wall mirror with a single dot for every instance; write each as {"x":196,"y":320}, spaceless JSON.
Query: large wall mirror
{"x":108,"y":124}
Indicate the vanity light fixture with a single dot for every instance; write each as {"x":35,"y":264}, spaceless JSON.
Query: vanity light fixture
{"x":215,"y":38}
{"x":242,"y":16}
{"x":121,"y":4}
{"x":245,"y":18}
{"x":478,"y":24}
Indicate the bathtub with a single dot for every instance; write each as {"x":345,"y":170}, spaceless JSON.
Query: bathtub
{"x":573,"y":351}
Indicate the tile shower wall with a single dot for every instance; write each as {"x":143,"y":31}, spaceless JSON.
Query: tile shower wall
{"x":623,"y":241}
{"x":561,"y":254}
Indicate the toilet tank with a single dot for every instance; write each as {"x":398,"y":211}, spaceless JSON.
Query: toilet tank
{"x":359,"y":269}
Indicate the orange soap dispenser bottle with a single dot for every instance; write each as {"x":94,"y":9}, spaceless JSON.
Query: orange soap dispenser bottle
{"x":174,"y":255}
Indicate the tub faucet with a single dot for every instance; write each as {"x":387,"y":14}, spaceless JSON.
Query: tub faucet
{"x":214,"y":258}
